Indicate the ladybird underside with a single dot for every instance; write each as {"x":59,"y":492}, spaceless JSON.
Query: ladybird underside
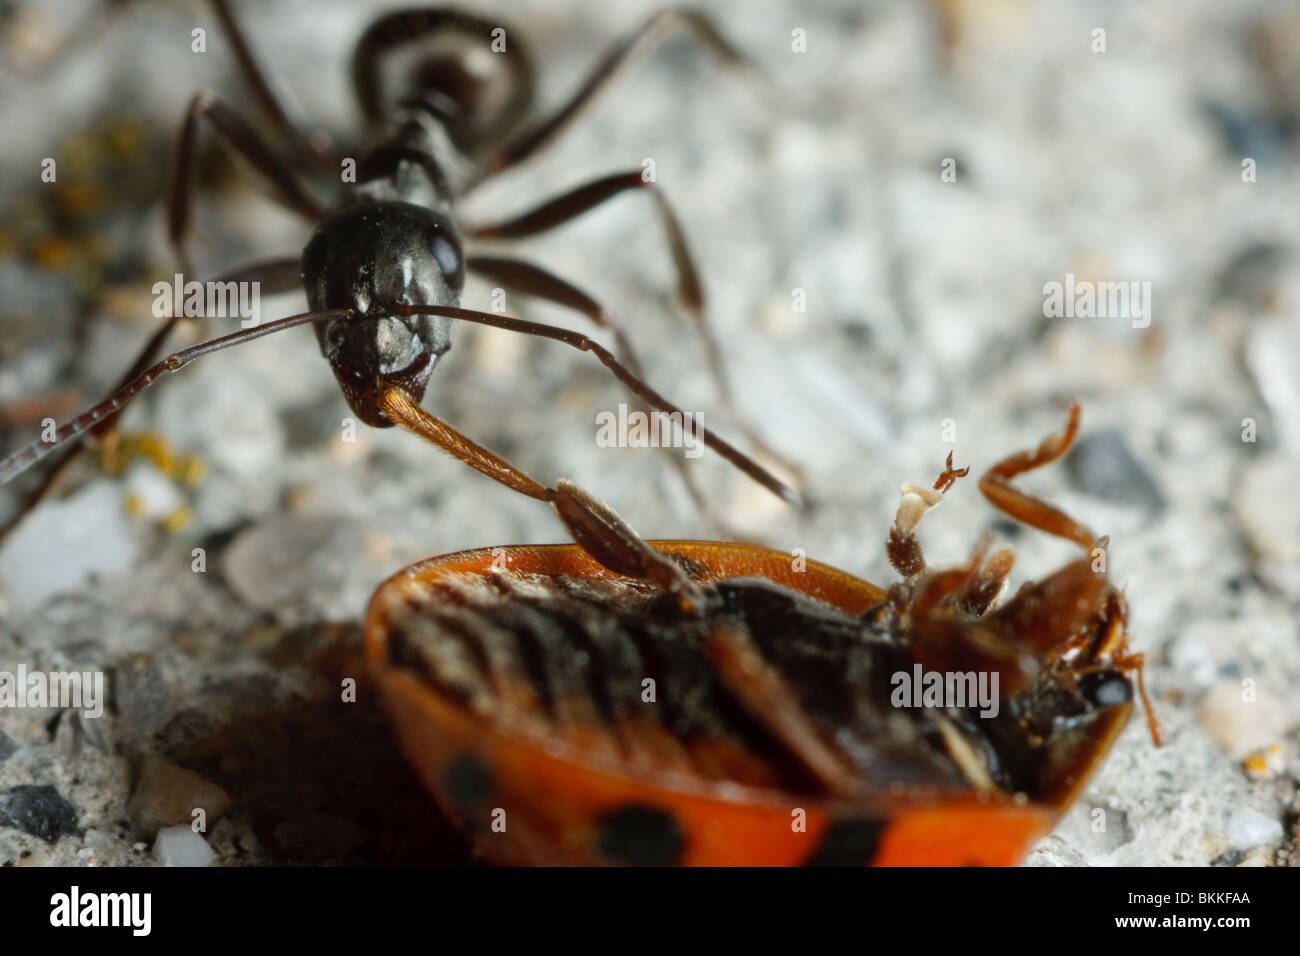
{"x":614,"y":668}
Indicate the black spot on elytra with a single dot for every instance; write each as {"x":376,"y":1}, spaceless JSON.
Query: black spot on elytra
{"x":468,"y":784}
{"x":848,"y":843}
{"x":641,"y":836}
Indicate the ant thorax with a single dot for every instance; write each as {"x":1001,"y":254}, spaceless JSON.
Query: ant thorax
{"x":403,"y":167}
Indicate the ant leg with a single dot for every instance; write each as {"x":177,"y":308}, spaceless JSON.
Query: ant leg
{"x":996,"y":485}
{"x":690,"y":291}
{"x":902,"y":547}
{"x":274,"y":275}
{"x":575,"y":202}
{"x":239,"y":140}
{"x":528,"y":279}
{"x":459,"y":96}
{"x":56,"y":471}
{"x":49,"y":481}
{"x":592,"y":524}
{"x":639,"y":388}
{"x":271,"y":276}
{"x":654,"y":30}
{"x":279,"y":104}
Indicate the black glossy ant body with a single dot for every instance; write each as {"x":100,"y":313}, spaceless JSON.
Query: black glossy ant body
{"x":385,"y":267}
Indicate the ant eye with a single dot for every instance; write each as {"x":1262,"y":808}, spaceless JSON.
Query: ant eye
{"x":446,"y":252}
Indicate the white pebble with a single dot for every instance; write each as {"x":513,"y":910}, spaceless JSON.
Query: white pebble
{"x":62,"y":542}
{"x":1249,"y":828}
{"x":156,"y":495}
{"x":181,"y":846}
{"x":1238,"y":723}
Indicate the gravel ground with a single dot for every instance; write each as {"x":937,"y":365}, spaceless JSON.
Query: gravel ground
{"x":1169,"y":160}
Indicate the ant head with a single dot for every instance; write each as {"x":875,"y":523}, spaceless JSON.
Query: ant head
{"x":369,"y":258}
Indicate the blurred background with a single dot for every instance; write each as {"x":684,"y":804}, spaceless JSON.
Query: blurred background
{"x":876,"y":233}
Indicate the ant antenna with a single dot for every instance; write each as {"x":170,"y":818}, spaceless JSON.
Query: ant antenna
{"x":25,"y":457}
{"x":652,"y":398}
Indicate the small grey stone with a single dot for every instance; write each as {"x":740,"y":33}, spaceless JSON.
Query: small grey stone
{"x":1271,"y":352}
{"x":141,"y":693}
{"x":185,"y":727}
{"x":1102,"y":465}
{"x":75,"y":732}
{"x":1251,"y":273}
{"x":1257,"y":505}
{"x":168,"y":794}
{"x":38,"y":809}
{"x":7,"y":746}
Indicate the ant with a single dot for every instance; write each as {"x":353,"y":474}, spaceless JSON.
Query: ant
{"x":385,"y":266}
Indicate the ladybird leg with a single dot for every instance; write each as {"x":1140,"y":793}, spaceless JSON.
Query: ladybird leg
{"x":988,"y":586}
{"x":970,"y":591}
{"x":766,"y":696}
{"x":944,"y":587}
{"x":1113,"y":647}
{"x":1043,"y":620}
{"x":1136,"y":662}
{"x":996,"y":486}
{"x":1045,"y":615}
{"x":902,"y":547}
